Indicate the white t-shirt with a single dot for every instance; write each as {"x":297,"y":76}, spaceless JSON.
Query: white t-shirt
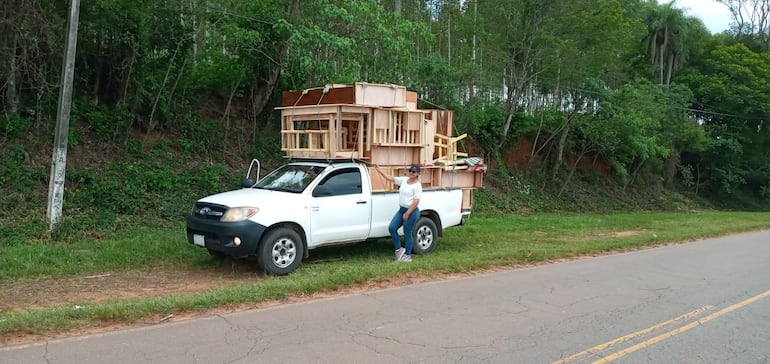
{"x":408,"y":192}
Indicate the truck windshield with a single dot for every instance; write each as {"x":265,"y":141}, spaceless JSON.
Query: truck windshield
{"x":290,"y":178}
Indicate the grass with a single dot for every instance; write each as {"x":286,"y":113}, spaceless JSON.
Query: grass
{"x":134,"y":248}
{"x":485,"y":242}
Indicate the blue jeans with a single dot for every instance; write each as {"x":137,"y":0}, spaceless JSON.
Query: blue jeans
{"x":397,"y":221}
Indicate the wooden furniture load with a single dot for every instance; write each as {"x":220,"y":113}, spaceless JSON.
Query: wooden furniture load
{"x":381,"y":125}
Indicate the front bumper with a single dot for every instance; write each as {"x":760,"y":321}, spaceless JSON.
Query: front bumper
{"x":218,"y":236}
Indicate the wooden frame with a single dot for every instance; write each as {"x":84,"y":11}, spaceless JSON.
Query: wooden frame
{"x":379,"y":123}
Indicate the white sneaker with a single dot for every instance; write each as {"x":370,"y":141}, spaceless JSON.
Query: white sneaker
{"x":405,"y":258}
{"x":400,"y":253}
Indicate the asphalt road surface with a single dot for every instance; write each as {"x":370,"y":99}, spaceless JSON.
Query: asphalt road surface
{"x":701,"y":302}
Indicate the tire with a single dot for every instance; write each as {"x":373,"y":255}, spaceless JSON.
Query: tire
{"x":280,"y":252}
{"x":425,"y":236}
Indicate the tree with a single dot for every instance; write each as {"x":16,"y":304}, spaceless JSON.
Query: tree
{"x":732,"y":98}
{"x":751,"y":19}
{"x":521,"y":50}
{"x":668,"y":37}
{"x":29,"y":50}
{"x":587,"y":49}
{"x":346,"y":41}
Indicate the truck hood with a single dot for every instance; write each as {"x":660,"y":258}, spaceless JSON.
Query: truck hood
{"x":250,"y":197}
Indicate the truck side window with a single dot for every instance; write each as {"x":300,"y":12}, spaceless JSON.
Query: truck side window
{"x":345,"y":182}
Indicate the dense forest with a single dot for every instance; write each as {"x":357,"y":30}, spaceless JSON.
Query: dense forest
{"x":172,"y":97}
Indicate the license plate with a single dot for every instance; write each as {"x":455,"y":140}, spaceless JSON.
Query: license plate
{"x":199,"y":240}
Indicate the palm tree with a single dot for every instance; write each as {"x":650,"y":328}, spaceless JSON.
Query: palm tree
{"x":666,"y":40}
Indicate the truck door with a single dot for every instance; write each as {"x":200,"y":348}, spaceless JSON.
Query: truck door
{"x":339,"y":208}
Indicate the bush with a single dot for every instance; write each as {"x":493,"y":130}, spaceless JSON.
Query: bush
{"x":12,"y":127}
{"x":149,"y":187}
{"x":105,"y":123}
{"x":201,"y":136}
{"x":16,"y":173}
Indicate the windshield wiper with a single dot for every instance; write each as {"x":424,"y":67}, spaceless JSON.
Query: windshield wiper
{"x":279,"y":189}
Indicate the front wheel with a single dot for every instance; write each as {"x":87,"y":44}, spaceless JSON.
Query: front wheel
{"x":280,"y":252}
{"x":425,"y":236}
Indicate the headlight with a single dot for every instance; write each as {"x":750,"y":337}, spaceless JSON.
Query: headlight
{"x":239,"y":213}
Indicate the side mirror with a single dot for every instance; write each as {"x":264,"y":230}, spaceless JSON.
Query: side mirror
{"x":247,"y":183}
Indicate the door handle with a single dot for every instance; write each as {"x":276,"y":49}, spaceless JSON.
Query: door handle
{"x":360,"y":202}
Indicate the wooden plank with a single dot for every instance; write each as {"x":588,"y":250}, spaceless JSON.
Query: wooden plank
{"x":458,"y":179}
{"x":307,"y":154}
{"x":467,"y":198}
{"x":355,"y":109}
{"x":379,"y":183}
{"x":336,"y":94}
{"x":402,"y":126}
{"x":381,"y":118}
{"x":478,"y":181}
{"x":411,"y":100}
{"x":396,"y":155}
{"x":400,"y":145}
{"x":311,"y":117}
{"x":346,"y":154}
{"x":360,"y":134}
{"x":368,"y":131}
{"x":428,"y":130}
{"x":415,"y":120}
{"x":444,"y":121}
{"x":458,"y":138}
{"x":380,"y":95}
{"x":335,"y":130}
{"x":309,"y":131}
{"x":455,"y":167}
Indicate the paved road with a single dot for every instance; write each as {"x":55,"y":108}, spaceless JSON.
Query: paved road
{"x":700,"y":302}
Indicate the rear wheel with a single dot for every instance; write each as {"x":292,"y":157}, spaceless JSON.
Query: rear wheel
{"x":280,"y":252}
{"x":425,"y":236}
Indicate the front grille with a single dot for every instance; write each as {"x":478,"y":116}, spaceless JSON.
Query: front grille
{"x":209,"y":211}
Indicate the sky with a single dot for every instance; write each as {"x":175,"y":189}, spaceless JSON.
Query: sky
{"x":714,"y":15}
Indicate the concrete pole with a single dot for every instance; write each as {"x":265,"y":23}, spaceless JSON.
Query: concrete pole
{"x":59,"y":160}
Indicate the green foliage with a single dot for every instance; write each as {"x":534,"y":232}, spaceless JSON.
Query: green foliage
{"x":437,"y":81}
{"x":732,"y":92}
{"x":267,"y":150}
{"x":584,"y":41}
{"x":341,"y":42}
{"x":239,"y":48}
{"x":152,"y":187}
{"x":13,"y":127}
{"x":642,"y":124}
{"x":16,"y":175}
{"x":483,"y":120}
{"x":200,"y":136}
{"x":106,"y":123}
{"x":672,"y":39}
{"x":217,"y":76}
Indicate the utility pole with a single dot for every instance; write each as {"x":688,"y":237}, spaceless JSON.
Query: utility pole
{"x":59,"y":160}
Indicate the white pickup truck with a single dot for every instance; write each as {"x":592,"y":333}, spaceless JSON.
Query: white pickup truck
{"x":305,"y":205}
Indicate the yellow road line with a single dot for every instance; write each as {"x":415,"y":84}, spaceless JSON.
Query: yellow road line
{"x":633,"y":335}
{"x":680,"y":330}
